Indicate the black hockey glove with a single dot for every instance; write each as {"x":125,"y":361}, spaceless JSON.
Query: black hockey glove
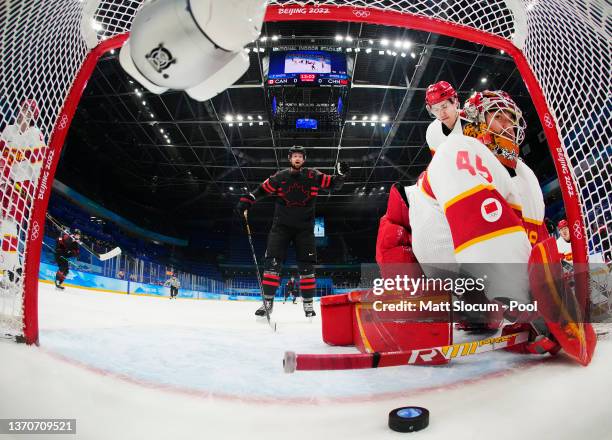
{"x":343,"y":168}
{"x":244,"y":204}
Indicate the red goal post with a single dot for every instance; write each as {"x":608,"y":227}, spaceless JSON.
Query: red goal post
{"x":561,"y":48}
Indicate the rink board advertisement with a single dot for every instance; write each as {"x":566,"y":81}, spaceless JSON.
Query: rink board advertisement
{"x":96,"y":282}
{"x":83,"y":279}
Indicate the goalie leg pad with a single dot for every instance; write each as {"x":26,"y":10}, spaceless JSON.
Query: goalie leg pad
{"x":565,"y":316}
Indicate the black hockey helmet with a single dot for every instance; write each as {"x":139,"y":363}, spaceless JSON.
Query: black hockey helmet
{"x":76,"y":232}
{"x":297,"y":149}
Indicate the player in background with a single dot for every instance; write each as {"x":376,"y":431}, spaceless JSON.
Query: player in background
{"x":174,"y":285}
{"x":22,"y":147}
{"x":564,"y":243}
{"x":295,"y":189}
{"x":442,"y":103}
{"x":290,"y":290}
{"x":393,"y":244}
{"x":66,"y":247}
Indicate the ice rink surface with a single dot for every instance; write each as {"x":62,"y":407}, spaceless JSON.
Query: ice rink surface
{"x":132,"y":367}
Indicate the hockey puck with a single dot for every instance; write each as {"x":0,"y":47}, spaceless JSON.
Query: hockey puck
{"x":409,"y":419}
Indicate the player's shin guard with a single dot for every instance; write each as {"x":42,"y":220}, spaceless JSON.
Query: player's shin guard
{"x":308,"y":286}
{"x":307,"y":289}
{"x":270,"y":283}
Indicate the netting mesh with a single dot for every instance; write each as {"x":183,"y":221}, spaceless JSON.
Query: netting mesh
{"x":566,"y":43}
{"x":42,"y":50}
{"x":570,"y":56}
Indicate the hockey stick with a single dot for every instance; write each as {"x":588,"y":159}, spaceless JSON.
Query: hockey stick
{"x":248,"y":229}
{"x":421,"y":356}
{"x":102,"y":257}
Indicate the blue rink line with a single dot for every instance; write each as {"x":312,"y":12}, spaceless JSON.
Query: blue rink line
{"x":248,"y":364}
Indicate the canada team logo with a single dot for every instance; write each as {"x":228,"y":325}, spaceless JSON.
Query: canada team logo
{"x":160,"y":59}
{"x":491,"y":210}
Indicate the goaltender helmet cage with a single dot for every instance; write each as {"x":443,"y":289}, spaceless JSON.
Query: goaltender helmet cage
{"x":297,"y":149}
{"x":480,"y":103}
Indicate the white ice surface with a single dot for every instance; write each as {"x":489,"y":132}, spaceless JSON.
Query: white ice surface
{"x":130,"y":367}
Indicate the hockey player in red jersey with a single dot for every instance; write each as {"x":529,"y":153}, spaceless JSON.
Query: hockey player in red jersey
{"x":67,"y":246}
{"x":442,"y":103}
{"x":22,"y":148}
{"x":296,"y":189}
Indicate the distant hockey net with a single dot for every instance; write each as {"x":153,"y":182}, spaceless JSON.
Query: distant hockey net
{"x":50,"y":47}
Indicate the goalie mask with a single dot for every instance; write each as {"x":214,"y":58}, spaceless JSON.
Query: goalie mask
{"x":495,"y":119}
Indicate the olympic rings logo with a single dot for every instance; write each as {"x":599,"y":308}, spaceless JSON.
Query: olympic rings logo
{"x":63,"y":122}
{"x":548,"y":120}
{"x":577,"y":230}
{"x":35,"y":230}
{"x":361,"y":13}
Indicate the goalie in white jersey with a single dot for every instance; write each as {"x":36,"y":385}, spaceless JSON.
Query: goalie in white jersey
{"x":442,"y":103}
{"x":22,"y":148}
{"x":477,"y":202}
{"x":479,"y":210}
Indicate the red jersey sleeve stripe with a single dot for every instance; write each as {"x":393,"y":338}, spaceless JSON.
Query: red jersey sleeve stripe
{"x":267,"y":187}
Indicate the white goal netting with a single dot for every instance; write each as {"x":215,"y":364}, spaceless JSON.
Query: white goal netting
{"x":45,"y":43}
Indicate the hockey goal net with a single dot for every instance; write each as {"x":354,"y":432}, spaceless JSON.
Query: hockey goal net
{"x":50,"y":47}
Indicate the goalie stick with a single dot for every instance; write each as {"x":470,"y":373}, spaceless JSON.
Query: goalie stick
{"x":102,"y":257}
{"x":421,"y":356}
